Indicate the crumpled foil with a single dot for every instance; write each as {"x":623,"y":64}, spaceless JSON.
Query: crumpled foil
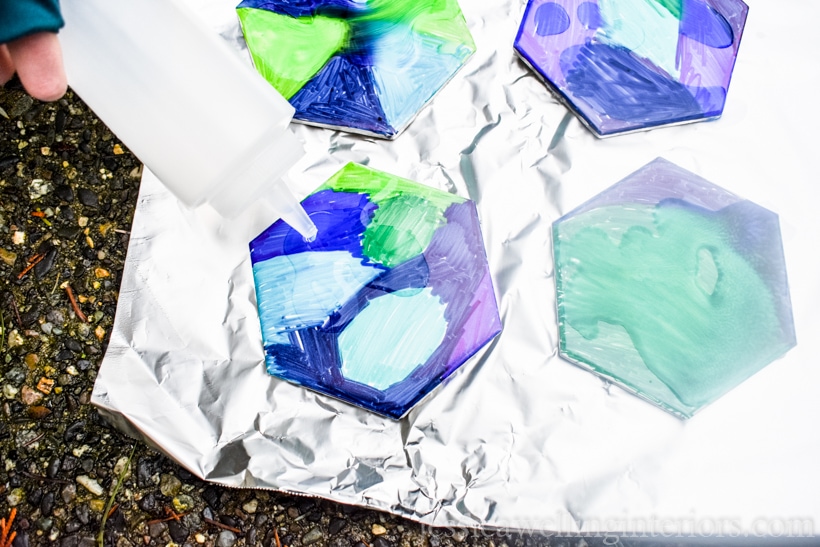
{"x":518,"y":439}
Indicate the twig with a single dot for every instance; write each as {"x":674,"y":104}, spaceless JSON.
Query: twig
{"x":5,"y":528}
{"x":33,"y":261}
{"x":34,"y":440}
{"x":74,"y":304}
{"x":42,"y":478}
{"x":120,"y":478}
{"x":276,"y":537}
{"x":16,"y":311}
{"x":220,"y":525}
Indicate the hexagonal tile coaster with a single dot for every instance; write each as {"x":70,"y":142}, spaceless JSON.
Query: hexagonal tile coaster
{"x":630,"y":65}
{"x":671,"y":287}
{"x":391,"y":298}
{"x":365,"y":66}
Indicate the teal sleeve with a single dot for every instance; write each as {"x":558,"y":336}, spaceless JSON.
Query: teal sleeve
{"x":20,"y":18}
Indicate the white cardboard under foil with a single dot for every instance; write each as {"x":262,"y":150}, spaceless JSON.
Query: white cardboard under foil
{"x":519,"y":438}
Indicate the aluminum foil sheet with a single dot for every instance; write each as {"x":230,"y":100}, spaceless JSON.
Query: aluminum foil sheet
{"x":519,"y":439}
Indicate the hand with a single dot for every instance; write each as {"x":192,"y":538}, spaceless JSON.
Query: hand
{"x":38,"y":61}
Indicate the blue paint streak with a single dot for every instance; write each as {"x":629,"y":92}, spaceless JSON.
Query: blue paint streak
{"x":613,"y":81}
{"x":342,"y":94}
{"x":340,"y":217}
{"x":306,"y":8}
{"x":304,"y":289}
{"x":409,"y":68}
{"x":551,"y":19}
{"x":590,"y":15}
{"x":376,"y":348}
{"x":702,"y":23}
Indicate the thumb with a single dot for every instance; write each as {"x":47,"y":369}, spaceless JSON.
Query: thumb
{"x":39,"y":63}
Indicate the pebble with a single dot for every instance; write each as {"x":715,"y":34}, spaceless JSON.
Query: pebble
{"x":293,"y":512}
{"x":148,"y":503}
{"x":182,"y":503}
{"x":16,"y":497}
{"x":155,"y":529}
{"x":47,"y":504}
{"x":226,"y":538}
{"x":64,"y":192}
{"x":53,"y":468}
{"x":169,"y":485}
{"x":177,"y":531}
{"x":378,"y":530}
{"x":381,"y":542}
{"x":88,"y":198}
{"x":199,"y":538}
{"x":69,"y":493}
{"x":336,"y":525}
{"x":250,"y":507}
{"x":42,"y":268}
{"x":30,"y":396}
{"x":8,"y":257}
{"x":82,"y":513}
{"x":90,"y":484}
{"x":312,"y":536}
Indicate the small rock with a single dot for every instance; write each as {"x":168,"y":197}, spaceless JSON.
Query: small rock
{"x":82,"y":514}
{"x":14,"y":339}
{"x":336,"y":525}
{"x":182,"y":503}
{"x":64,"y":192}
{"x":8,"y":257}
{"x":42,"y":268}
{"x":88,"y":198}
{"x":38,"y":412}
{"x":47,"y":504}
{"x":226,"y":538}
{"x":378,"y":530}
{"x":381,"y":542}
{"x":148,"y":503}
{"x":20,"y":106}
{"x":250,"y":507}
{"x":53,"y":468}
{"x":199,"y":538}
{"x":177,"y":531}
{"x":69,"y":493}
{"x":90,"y":484}
{"x":169,"y":485}
{"x":155,"y":529}
{"x":16,"y":497}
{"x":74,"y":345}
{"x":9,"y":391}
{"x":72,"y":526}
{"x":293,"y":512}
{"x":312,"y":536}
{"x":30,"y":396}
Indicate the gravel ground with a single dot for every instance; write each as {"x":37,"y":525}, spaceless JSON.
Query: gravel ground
{"x":68,"y":189}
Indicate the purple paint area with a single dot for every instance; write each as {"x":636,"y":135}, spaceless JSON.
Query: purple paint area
{"x":551,"y":19}
{"x":340,"y":218}
{"x":590,"y":15}
{"x":612,"y":90}
{"x":657,"y":181}
{"x":702,"y":23}
{"x":455,"y":256}
{"x":305,"y":8}
{"x":618,"y":86}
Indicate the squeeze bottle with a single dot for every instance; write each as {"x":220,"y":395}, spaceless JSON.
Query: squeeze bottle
{"x":207,"y":125}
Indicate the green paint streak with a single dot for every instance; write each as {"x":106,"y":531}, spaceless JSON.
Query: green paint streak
{"x":646,"y":27}
{"x":670,"y":309}
{"x":675,"y":7}
{"x":289,"y":51}
{"x":408,"y":213}
{"x":440,"y":18}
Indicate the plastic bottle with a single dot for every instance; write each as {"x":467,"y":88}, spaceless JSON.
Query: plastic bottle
{"x":207,"y":125}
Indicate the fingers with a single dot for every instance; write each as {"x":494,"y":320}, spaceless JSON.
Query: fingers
{"x":6,"y":65}
{"x":39,"y":63}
